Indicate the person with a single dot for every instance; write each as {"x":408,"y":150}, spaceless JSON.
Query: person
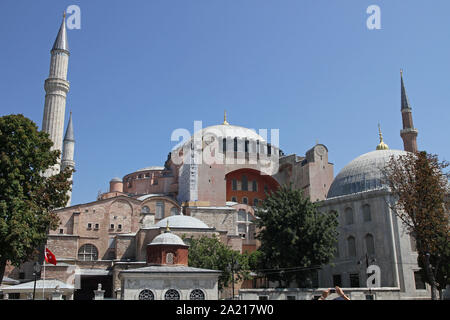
{"x":339,"y":291}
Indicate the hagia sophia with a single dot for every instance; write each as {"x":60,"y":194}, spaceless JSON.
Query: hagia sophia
{"x":129,"y":239}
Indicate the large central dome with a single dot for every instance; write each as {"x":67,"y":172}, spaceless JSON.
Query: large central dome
{"x":232,"y":131}
{"x":363,"y":173}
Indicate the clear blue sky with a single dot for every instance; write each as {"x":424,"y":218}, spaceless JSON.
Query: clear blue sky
{"x":140,"y":69}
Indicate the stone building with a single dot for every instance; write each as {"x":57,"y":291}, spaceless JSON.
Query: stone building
{"x":211,"y":184}
{"x":167,"y":275}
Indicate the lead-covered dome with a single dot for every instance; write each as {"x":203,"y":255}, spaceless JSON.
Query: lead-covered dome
{"x":167,"y":238}
{"x":363,"y":173}
{"x":181,"y":221}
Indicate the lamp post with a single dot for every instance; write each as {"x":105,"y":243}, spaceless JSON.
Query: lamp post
{"x":37,"y":269}
{"x":233,"y":266}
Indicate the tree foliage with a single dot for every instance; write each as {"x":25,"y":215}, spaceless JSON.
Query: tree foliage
{"x":420,"y":186}
{"x":27,"y":197}
{"x":295,"y":236}
{"x":210,"y":253}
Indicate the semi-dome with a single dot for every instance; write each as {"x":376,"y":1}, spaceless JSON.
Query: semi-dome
{"x":167,"y":238}
{"x":181,"y":221}
{"x":363,"y":173}
{"x":151,"y":168}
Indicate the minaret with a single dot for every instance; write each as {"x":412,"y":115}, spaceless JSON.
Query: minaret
{"x":68,"y":152}
{"x":56,"y":88}
{"x":408,"y":133}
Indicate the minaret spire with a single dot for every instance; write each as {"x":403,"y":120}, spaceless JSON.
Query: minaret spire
{"x":408,"y":133}
{"x":56,"y":88}
{"x":68,"y":152}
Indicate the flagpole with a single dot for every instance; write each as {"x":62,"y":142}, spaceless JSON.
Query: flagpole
{"x":43,"y":282}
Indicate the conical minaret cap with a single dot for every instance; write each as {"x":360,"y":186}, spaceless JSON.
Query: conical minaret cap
{"x":69,"y":131}
{"x":61,"y":42}
{"x":405,"y":100}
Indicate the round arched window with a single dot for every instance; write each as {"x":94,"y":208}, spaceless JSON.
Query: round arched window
{"x":197,"y":294}
{"x":88,"y":252}
{"x":146,"y":295}
{"x":145,"y":209}
{"x":172,"y":294}
{"x":169,"y":258}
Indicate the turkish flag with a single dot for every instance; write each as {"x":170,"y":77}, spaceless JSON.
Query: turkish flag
{"x":50,"y":257}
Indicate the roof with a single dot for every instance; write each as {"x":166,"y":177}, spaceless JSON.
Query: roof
{"x":61,"y":42}
{"x":9,"y":281}
{"x":363,"y":173}
{"x":116,"y":179}
{"x":49,"y":284}
{"x":151,"y":168}
{"x":167,"y":238}
{"x":170,"y":269}
{"x":181,"y":221}
{"x":142,"y":198}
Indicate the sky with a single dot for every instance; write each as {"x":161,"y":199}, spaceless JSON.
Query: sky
{"x":138,"y":70}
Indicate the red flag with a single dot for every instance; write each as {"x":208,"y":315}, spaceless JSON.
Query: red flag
{"x":50,"y":257}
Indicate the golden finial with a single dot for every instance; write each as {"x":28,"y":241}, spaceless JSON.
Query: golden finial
{"x":225,"y":118}
{"x":167,"y":227}
{"x":381,"y":145}
{"x":64,"y":14}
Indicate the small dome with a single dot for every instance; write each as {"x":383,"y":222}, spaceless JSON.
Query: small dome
{"x":363,"y":173}
{"x":180,"y":221}
{"x":116,"y":180}
{"x":167,"y":238}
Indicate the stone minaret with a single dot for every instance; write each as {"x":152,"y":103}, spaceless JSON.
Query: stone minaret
{"x":408,"y":133}
{"x":68,"y":152}
{"x":56,"y":88}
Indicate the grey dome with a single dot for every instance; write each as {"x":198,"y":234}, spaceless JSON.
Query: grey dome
{"x":116,"y":179}
{"x":363,"y":173}
{"x":167,"y":239}
{"x":180,"y":221}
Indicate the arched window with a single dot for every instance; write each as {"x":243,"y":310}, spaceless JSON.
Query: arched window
{"x":174,"y":211}
{"x":146,"y":295}
{"x":244,"y":200}
{"x":224,"y":145}
{"x":255,"y":202}
{"x":244,"y":183}
{"x":88,"y":252}
{"x":348,"y":216}
{"x":370,"y":244}
{"x":145,"y":209}
{"x":169,"y":258}
{"x":351,"y":246}
{"x":197,"y":294}
{"x":366,"y":213}
{"x":172,"y":294}
{"x":254,"y":186}
{"x":233,"y":199}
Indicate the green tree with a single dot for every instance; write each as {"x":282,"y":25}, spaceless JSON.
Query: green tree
{"x":419,"y":186}
{"x":27,"y":198}
{"x":296,"y":238}
{"x":210,"y":253}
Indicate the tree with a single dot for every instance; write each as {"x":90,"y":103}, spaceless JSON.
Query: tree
{"x":211,"y":253}
{"x":27,"y":197}
{"x":419,"y":186}
{"x":296,"y":239}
